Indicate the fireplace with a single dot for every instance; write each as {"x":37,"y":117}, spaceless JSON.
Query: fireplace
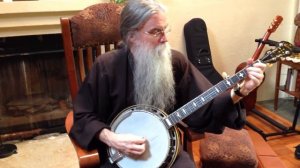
{"x":34,"y":90}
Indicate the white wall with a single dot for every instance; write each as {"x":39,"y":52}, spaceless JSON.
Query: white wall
{"x":233,"y":25}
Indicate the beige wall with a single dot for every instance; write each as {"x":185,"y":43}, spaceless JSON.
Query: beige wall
{"x":232,"y":25}
{"x":37,"y":17}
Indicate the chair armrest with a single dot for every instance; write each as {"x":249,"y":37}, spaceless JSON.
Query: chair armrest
{"x":86,"y":158}
{"x":191,"y":143}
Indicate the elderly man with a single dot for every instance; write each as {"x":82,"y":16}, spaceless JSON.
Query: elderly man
{"x":146,"y":71}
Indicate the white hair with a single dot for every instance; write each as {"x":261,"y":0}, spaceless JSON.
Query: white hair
{"x":153,"y":76}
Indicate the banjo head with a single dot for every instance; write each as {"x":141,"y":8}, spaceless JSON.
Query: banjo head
{"x":146,"y":121}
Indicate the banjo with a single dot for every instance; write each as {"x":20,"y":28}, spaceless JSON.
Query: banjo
{"x":160,"y":129}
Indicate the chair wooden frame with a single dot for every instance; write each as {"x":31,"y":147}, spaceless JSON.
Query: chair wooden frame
{"x":86,"y":158}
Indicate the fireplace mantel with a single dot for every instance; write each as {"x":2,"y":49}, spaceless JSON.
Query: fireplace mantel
{"x":18,"y":18}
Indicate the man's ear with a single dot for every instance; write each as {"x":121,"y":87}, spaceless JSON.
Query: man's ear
{"x":131,"y":37}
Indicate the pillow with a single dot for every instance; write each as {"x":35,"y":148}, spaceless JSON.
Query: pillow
{"x":96,"y":23}
{"x":231,"y":149}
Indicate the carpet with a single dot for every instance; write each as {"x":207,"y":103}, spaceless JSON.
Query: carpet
{"x":44,"y":151}
{"x":286,"y":108}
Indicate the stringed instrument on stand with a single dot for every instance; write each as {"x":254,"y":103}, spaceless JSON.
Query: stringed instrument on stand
{"x":250,"y":100}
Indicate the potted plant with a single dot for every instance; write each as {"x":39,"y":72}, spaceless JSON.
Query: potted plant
{"x":118,"y":1}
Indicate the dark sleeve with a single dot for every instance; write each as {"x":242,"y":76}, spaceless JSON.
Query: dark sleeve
{"x":91,"y":107}
{"x":213,"y":116}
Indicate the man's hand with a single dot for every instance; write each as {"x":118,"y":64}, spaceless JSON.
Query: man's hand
{"x":254,"y":78}
{"x":127,"y":144}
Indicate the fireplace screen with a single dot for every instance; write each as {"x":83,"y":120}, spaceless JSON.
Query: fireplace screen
{"x":33,"y":84}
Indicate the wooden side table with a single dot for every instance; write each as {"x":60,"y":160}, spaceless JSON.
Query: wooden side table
{"x":295,"y":94}
{"x":278,"y":88}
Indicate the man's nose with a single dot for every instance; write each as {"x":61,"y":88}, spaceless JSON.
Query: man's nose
{"x":163,"y":38}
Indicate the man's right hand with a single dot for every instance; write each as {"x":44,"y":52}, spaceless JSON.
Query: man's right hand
{"x":127,"y":144}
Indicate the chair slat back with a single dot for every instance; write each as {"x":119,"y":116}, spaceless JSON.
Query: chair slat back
{"x":88,"y":34}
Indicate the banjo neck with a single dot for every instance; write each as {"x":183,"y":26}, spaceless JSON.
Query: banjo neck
{"x":193,"y":105}
{"x":283,"y":49}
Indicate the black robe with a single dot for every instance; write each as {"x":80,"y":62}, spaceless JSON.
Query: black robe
{"x":108,"y":89}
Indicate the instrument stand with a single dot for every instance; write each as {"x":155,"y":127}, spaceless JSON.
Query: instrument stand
{"x":284,"y":130}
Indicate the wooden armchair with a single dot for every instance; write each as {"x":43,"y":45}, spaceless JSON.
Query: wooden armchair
{"x":86,"y":35}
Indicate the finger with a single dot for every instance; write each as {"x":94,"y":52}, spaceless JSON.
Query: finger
{"x":257,"y":67}
{"x":136,"y":149}
{"x":134,"y":152}
{"x":139,"y":141}
{"x":258,"y":74}
{"x":249,"y":61}
{"x":261,"y":66}
{"x":255,"y":79}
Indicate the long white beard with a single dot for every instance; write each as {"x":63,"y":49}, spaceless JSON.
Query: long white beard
{"x":153,"y":76}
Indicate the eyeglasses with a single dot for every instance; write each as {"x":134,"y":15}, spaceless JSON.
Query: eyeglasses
{"x":156,"y":32}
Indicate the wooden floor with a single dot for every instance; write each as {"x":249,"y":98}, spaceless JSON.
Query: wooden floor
{"x":284,"y":146}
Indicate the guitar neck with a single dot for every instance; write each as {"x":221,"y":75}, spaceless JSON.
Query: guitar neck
{"x":204,"y":98}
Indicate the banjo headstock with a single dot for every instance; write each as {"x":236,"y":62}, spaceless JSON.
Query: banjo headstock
{"x":284,"y":49}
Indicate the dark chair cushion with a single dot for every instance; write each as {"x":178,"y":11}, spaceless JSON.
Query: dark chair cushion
{"x":231,"y":149}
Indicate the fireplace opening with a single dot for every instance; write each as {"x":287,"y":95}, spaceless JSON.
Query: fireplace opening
{"x":34,"y":90}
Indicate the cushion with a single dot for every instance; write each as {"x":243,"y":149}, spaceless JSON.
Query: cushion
{"x":231,"y":149}
{"x":96,"y":24}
